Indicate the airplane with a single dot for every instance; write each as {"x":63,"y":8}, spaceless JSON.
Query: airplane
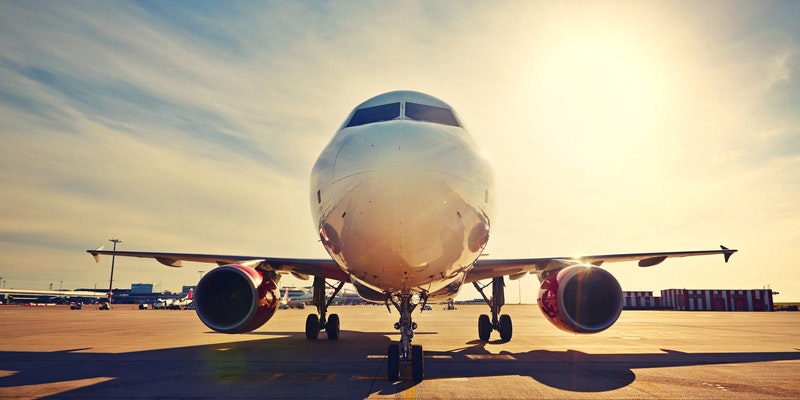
{"x":35,"y":296}
{"x":284,"y":302}
{"x":181,"y":303}
{"x":403,"y":198}
{"x":161,"y":304}
{"x":295,"y":298}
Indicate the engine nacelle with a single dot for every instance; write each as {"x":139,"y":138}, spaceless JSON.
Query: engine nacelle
{"x":581,"y":299}
{"x":235,"y":299}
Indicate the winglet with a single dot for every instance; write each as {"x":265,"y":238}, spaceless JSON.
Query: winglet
{"x":97,"y":255}
{"x":727,"y":253}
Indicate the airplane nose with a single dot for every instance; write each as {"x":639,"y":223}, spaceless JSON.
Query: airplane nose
{"x":405,"y":210}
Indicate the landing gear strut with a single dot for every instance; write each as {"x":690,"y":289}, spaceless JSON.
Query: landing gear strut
{"x":501,"y":324}
{"x":402,"y":355}
{"x":316,"y":323}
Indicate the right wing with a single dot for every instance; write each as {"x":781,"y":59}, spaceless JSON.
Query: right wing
{"x":516,"y":268}
{"x":299,"y":267}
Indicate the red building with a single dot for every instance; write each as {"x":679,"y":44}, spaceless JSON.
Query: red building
{"x":717,"y":300}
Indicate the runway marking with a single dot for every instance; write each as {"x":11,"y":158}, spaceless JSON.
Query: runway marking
{"x":490,"y":357}
{"x":410,"y":393}
{"x":716,"y":385}
{"x":436,"y":357}
{"x":367,"y":378}
{"x":298,"y":377}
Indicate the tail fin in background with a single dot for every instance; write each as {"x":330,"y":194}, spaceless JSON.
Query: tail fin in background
{"x":285,"y":298}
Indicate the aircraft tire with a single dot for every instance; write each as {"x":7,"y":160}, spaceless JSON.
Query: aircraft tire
{"x":312,"y":327}
{"x":417,"y":363}
{"x":506,"y":328}
{"x":393,"y":362}
{"x":332,"y":327}
{"x":484,"y":328}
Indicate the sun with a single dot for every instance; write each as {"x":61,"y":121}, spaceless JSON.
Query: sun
{"x":596,"y":92}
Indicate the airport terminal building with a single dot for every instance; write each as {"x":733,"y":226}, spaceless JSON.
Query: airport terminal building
{"x":701,"y":300}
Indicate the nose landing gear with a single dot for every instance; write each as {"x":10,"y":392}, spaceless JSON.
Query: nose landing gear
{"x":402,"y":356}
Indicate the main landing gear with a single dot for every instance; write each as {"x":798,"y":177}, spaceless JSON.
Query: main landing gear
{"x":402,"y":355}
{"x":502,"y":324}
{"x":316,"y":323}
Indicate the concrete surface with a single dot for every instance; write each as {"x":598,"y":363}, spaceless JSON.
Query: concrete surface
{"x":130,"y":353}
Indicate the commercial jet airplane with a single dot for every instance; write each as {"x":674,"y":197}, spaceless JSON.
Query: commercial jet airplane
{"x":295,"y":298}
{"x":403,"y":200}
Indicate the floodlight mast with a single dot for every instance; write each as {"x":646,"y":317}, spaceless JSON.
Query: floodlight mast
{"x":111,"y":280}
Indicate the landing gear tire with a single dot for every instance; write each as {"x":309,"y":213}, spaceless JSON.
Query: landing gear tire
{"x":312,"y":327}
{"x":484,"y":328}
{"x":332,"y":327}
{"x":506,"y":328}
{"x":417,"y":363}
{"x":393,"y":362}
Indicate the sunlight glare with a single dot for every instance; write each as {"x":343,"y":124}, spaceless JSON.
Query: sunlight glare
{"x":596,"y":93}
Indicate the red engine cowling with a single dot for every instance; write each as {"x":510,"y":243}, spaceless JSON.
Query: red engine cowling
{"x":235,"y":299}
{"x":581,"y":299}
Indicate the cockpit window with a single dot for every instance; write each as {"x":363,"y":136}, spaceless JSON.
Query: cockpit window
{"x":385,"y":112}
{"x":439,"y":115}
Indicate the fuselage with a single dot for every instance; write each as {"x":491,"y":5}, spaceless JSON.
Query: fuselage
{"x":402,"y":196}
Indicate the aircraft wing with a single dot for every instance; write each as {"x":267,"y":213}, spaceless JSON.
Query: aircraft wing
{"x":517,"y":268}
{"x":300,"y":267}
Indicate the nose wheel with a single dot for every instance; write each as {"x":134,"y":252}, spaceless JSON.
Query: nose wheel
{"x":402,"y":356}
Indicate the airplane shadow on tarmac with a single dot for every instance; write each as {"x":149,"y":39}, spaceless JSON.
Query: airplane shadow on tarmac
{"x":290,"y":366}
{"x":581,"y":372}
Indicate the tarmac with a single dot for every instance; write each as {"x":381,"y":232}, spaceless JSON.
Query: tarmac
{"x":126,"y":353}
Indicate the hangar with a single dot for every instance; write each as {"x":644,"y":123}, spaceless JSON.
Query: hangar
{"x":702,"y":300}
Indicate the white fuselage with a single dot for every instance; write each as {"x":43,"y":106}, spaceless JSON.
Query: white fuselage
{"x":403,"y":205}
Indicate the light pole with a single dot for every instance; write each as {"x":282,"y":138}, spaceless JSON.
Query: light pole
{"x":111,"y":280}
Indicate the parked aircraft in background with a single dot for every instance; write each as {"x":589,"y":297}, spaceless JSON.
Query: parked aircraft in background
{"x":403,"y":198}
{"x":182,"y":302}
{"x":49,"y":296}
{"x":175,"y":304}
{"x":296,"y":298}
{"x":161,"y":304}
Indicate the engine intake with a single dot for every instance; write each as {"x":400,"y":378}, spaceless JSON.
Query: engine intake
{"x":581,"y":299}
{"x":235,"y":299}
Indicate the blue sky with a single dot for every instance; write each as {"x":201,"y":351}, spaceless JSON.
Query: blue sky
{"x":192,"y":127}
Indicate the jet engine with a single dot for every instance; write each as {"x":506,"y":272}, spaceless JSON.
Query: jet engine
{"x":235,"y":299}
{"x":581,"y":299}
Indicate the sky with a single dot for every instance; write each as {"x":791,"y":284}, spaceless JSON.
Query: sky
{"x":193,"y":126}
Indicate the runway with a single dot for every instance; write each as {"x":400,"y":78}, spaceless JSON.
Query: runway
{"x":129,"y":353}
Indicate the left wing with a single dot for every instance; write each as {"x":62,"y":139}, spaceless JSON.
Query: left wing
{"x":300,"y":267}
{"x":517,"y":268}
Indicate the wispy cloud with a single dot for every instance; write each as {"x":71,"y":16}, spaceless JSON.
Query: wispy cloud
{"x":193,"y":126}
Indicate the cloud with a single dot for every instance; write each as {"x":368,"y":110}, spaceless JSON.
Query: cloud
{"x":194,"y":128}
